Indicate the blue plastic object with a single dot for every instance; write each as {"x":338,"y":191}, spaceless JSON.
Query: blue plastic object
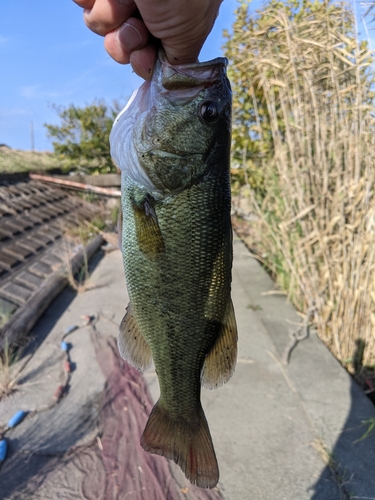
{"x":3,"y":450}
{"x":16,"y":419}
{"x":64,"y":346}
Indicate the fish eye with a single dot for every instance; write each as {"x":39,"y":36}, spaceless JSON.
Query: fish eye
{"x":209,"y":111}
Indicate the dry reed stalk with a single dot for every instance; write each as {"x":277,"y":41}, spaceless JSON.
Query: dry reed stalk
{"x":9,"y":375}
{"x":316,"y":223}
{"x":80,"y":281}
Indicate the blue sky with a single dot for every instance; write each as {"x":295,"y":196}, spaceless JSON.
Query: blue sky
{"x":47,"y":55}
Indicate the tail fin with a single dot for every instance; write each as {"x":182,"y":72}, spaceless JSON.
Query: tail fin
{"x":188,"y":444}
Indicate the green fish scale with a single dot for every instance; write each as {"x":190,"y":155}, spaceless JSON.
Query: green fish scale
{"x":179,"y":300}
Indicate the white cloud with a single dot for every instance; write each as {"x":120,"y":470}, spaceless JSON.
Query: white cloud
{"x":30,"y":91}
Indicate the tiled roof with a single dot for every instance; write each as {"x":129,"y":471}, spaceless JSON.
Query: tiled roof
{"x":33,"y":221}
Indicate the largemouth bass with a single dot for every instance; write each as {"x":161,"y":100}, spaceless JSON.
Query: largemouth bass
{"x":172,"y":143}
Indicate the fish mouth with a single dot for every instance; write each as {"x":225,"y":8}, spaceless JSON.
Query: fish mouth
{"x":190,"y":76}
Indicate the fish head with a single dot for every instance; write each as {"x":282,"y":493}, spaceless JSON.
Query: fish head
{"x":175,"y":128}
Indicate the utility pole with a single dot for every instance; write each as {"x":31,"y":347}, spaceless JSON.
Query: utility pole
{"x":32,"y":136}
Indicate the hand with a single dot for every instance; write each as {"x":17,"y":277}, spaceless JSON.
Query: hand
{"x":181,"y":25}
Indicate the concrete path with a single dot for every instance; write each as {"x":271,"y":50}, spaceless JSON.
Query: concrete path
{"x":280,"y":432}
{"x":287,"y":433}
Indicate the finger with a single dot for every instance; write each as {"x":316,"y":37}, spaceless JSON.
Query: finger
{"x":132,"y":35}
{"x":85,"y":4}
{"x":186,"y":46}
{"x":116,"y":51}
{"x":143,"y":61}
{"x":107,"y":15}
{"x":178,"y":54}
{"x":182,"y":30}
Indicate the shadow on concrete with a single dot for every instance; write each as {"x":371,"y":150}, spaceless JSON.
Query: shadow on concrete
{"x":350,"y":464}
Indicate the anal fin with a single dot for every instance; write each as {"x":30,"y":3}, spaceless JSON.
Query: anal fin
{"x":131,"y":343}
{"x":220,"y":361}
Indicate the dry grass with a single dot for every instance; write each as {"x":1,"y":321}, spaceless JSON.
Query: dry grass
{"x":337,"y":472}
{"x":14,"y":160}
{"x":81,"y":280}
{"x":9,"y":374}
{"x":78,"y":234}
{"x":316,"y":214}
{"x":76,"y":238}
{"x":5,"y":317}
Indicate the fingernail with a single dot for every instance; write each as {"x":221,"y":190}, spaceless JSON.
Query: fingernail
{"x":129,"y":37}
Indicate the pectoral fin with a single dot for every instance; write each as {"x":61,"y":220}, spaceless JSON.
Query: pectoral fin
{"x":131,"y":343}
{"x":149,"y":237}
{"x":220,"y":361}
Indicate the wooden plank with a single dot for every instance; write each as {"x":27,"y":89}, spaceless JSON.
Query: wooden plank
{"x":76,"y":185}
{"x":102,"y":180}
